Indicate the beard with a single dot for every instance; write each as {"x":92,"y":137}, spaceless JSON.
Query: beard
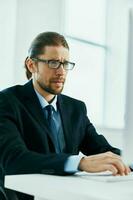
{"x":48,"y":88}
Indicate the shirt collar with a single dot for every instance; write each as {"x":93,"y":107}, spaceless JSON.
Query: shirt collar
{"x":43,"y":101}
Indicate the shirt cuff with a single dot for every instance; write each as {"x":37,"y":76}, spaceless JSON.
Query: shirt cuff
{"x":72,"y":163}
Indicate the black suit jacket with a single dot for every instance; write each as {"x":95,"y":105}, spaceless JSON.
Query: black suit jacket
{"x":25,"y":142}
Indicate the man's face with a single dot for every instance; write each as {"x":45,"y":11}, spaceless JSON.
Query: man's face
{"x":51,"y":80}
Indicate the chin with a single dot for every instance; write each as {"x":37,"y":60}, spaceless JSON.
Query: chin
{"x":58,"y":91}
{"x":53,"y":91}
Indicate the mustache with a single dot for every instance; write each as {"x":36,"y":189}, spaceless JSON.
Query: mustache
{"x":57,"y":80}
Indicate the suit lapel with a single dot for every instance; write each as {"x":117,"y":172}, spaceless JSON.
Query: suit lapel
{"x":66,"y":122}
{"x":32,"y":104}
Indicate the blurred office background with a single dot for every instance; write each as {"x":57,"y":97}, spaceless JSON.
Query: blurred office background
{"x":98,"y":34}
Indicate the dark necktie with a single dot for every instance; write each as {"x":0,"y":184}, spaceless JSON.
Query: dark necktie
{"x":53,"y":127}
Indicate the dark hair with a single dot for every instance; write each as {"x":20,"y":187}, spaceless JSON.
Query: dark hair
{"x":38,"y":45}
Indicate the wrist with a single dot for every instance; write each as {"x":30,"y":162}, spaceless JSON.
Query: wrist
{"x":81,"y":164}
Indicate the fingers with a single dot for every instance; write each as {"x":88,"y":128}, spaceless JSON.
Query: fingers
{"x":104,"y":161}
{"x":111,"y":168}
{"x":118,"y":164}
{"x":116,"y":161}
{"x":127,"y":170}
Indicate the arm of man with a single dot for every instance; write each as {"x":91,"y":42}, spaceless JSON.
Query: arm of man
{"x":97,"y":163}
{"x":100,"y":155}
{"x":15,"y":157}
{"x":102,"y":162}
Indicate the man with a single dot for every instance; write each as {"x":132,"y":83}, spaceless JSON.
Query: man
{"x":43,"y":131}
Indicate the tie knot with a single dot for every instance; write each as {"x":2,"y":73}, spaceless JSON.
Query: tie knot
{"x":49,"y":110}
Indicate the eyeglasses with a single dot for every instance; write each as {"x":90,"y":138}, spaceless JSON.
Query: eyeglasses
{"x":55,"y":64}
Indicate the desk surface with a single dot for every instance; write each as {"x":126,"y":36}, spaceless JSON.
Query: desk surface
{"x":76,"y":187}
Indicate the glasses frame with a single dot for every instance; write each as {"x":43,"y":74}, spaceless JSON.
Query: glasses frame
{"x":58,"y":66}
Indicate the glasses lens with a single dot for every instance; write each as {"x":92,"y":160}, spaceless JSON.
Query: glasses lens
{"x":68,"y":65}
{"x":53,"y":64}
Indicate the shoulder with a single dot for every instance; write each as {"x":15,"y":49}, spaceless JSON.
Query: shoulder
{"x":67,"y":100}
{"x":8,"y":99}
{"x":10,"y":92}
{"x":70,"y":99}
{"x":15,"y":94}
{"x":16,"y":90}
{"x":11,"y":89}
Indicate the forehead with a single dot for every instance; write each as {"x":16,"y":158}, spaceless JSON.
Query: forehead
{"x":55,"y":51}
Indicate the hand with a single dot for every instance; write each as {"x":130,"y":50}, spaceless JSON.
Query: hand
{"x":102,"y":162}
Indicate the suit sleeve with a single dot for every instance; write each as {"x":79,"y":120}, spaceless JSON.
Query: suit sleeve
{"x":94,"y":143}
{"x":14,"y":155}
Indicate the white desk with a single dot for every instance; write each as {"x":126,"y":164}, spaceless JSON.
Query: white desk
{"x":74,"y":187}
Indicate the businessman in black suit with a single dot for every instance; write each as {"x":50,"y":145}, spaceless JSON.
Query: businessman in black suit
{"x":42,"y":130}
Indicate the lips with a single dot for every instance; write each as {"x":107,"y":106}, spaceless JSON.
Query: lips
{"x":58,"y":81}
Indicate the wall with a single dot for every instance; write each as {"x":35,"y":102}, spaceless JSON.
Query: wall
{"x":33,"y":17}
{"x":116,"y":62}
{"x":20,"y":22}
{"x":7,"y":40}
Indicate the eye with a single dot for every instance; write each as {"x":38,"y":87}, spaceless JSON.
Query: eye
{"x":54,"y":62}
{"x":66,"y":63}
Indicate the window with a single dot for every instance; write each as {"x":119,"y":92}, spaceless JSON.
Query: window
{"x":85,"y":30}
{"x":97,"y":33}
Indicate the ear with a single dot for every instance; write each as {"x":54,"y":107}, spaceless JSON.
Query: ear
{"x":31,"y":65}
